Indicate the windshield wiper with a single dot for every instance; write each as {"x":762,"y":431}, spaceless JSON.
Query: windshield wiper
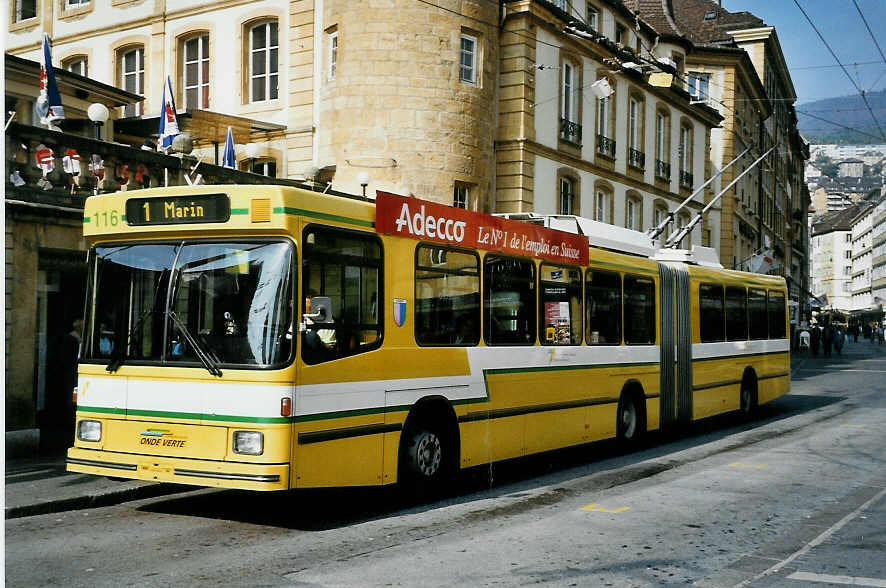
{"x":121,"y":356}
{"x":205,"y":358}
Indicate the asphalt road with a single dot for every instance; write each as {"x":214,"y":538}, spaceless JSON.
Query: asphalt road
{"x":794,"y":498}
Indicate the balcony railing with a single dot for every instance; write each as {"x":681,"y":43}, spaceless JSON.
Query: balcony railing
{"x":636,"y":158}
{"x":685,"y":179}
{"x":662,"y":170}
{"x":51,"y":168}
{"x":570,"y":131}
{"x":606,"y":146}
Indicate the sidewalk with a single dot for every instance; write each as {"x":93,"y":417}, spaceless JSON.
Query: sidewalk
{"x":41,"y":485}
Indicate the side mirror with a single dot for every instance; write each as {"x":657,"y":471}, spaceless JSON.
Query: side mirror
{"x":322,"y":310}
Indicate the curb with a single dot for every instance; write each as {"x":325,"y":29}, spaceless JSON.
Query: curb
{"x":109,"y":498}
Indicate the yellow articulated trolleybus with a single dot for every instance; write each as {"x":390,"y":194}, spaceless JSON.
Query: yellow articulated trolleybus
{"x":268,"y":338}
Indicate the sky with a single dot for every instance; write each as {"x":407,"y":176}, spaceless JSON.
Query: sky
{"x":814,"y":70}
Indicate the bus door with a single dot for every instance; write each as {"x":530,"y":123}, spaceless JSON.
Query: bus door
{"x":339,"y":424}
{"x":676,"y":347}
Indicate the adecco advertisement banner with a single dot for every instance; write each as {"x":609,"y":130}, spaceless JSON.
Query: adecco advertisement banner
{"x":429,"y":221}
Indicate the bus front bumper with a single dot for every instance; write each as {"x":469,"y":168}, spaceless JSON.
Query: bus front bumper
{"x":196,"y":472}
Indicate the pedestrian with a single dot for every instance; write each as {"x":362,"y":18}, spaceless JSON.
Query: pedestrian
{"x":838,"y":340}
{"x":827,"y":339}
{"x":815,"y":339}
{"x":855,"y":333}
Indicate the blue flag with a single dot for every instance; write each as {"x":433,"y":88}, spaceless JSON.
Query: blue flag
{"x":228,"y":159}
{"x":49,"y":103}
{"x":168,"y":121}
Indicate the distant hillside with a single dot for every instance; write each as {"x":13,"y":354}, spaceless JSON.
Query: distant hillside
{"x":840,"y":113}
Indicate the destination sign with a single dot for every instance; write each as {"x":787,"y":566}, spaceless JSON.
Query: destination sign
{"x":421,"y":219}
{"x":177,"y":210}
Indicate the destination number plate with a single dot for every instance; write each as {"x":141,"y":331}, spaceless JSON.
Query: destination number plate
{"x":176,"y":210}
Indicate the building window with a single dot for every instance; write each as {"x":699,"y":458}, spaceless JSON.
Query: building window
{"x":682,"y":221}
{"x":333,"y":54}
{"x":77,"y":65}
{"x":636,"y":157}
{"x":468,"y":60}
{"x":685,"y":157}
{"x":659,"y":214}
{"x":196,"y":72}
{"x":461,"y":195}
{"x":603,"y":206}
{"x":620,"y":33}
{"x":132,"y":77}
{"x":593,"y":17}
{"x":561,"y":4}
{"x":634,"y":212}
{"x":605,"y":144}
{"x":662,"y":146}
{"x":75,"y":3}
{"x":25,"y":9}
{"x":567,"y":196}
{"x":264,"y":167}
{"x":570,"y":130}
{"x":263,"y":62}
{"x":698,"y":86}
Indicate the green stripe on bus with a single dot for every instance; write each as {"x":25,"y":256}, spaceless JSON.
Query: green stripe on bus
{"x":239,"y":211}
{"x":323,"y":216}
{"x":184,"y":415}
{"x":85,"y":219}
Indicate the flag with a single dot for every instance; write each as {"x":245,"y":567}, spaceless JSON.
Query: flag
{"x":761,"y":263}
{"x":168,"y":121}
{"x":228,"y":159}
{"x":71,"y":162}
{"x":49,"y":103}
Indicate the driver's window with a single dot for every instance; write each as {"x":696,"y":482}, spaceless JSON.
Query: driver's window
{"x":342,"y":271}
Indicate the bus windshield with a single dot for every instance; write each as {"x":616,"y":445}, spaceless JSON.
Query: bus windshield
{"x":218,"y":303}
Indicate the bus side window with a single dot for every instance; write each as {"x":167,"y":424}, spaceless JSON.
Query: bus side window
{"x":639,"y":310}
{"x":777,"y":314}
{"x":758,"y":324}
{"x":603,"y":308}
{"x":560,"y":312}
{"x":736,"y":313}
{"x":509,"y":315}
{"x":345,"y":267}
{"x":447,"y":296}
{"x":710,"y":307}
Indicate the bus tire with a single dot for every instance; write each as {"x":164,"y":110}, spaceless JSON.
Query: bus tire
{"x":631,"y":419}
{"x":426,"y":458}
{"x":748,"y":395}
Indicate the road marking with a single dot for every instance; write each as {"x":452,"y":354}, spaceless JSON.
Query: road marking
{"x":853,"y":426}
{"x":815,"y":542}
{"x":739,"y":464}
{"x":597,"y":508}
{"x":828,"y":579}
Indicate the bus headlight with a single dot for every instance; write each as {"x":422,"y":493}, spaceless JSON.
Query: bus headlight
{"x":249,"y":442}
{"x":89,"y":431}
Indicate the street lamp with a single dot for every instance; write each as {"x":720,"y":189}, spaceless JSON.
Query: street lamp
{"x":363,"y":178}
{"x":252,"y":154}
{"x":98,"y":113}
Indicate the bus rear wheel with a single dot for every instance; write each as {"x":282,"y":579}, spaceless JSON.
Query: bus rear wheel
{"x":629,"y":426}
{"x":748,"y":400}
{"x":425,"y":461}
